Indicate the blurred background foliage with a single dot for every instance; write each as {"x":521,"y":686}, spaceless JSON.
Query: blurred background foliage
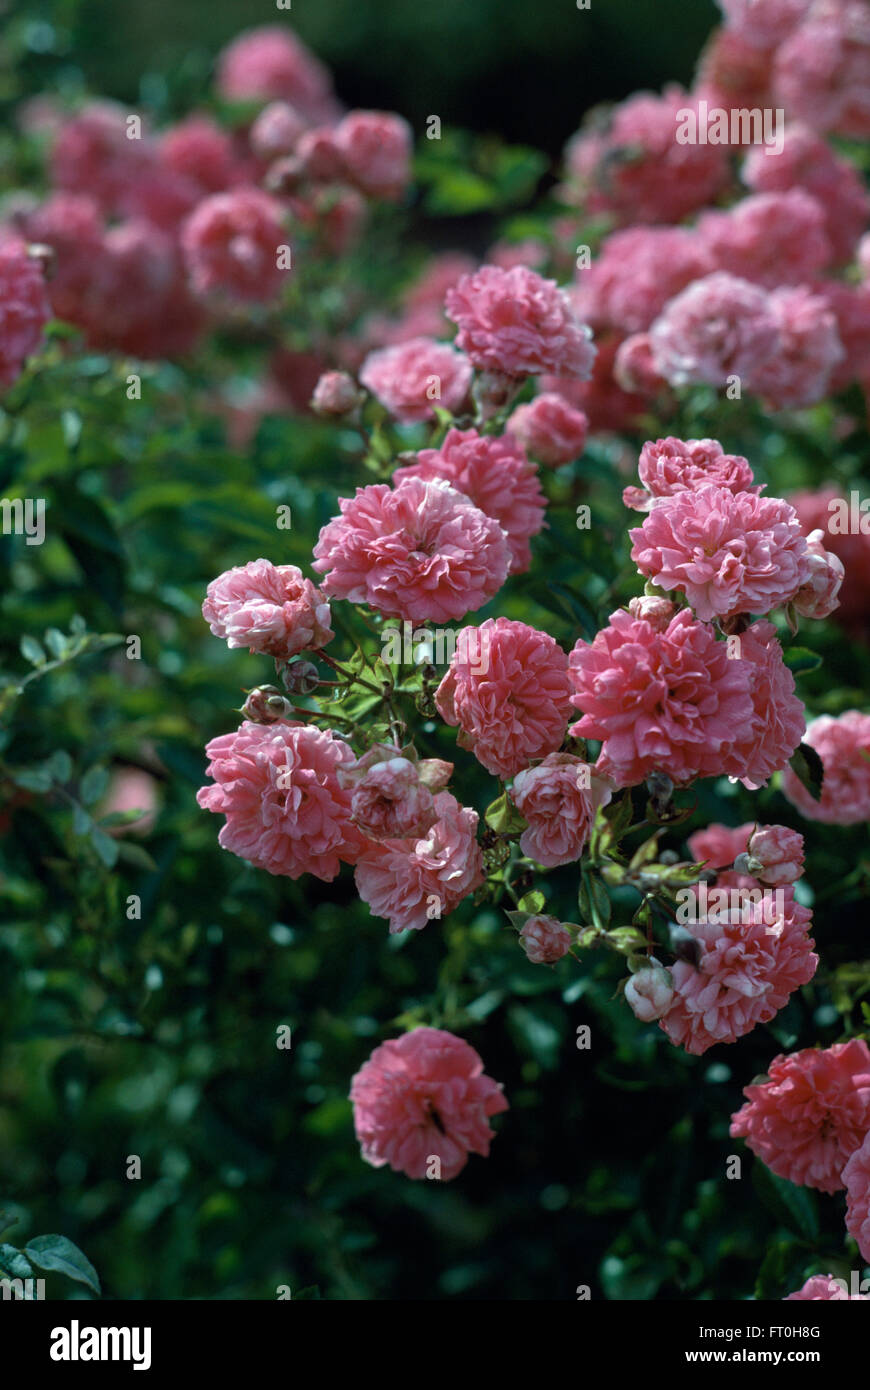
{"x":156,"y":1035}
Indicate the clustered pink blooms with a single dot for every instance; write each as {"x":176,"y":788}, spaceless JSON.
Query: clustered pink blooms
{"x":393,"y":793}
{"x":412,"y":377}
{"x":748,"y":969}
{"x":494,"y":473}
{"x":271,"y":63}
{"x":517,"y":323}
{"x":856,"y":1180}
{"x":719,"y":327}
{"x":507,"y":689}
{"x":545,"y":940}
{"x":811,"y":1114}
{"x":424,"y":1096}
{"x":727,"y":552}
{"x":414,"y":880}
{"x":286,"y":811}
{"x":772,"y":239}
{"x":268,"y":608}
{"x":24,"y":308}
{"x":550,"y":429}
{"x":809,"y":352}
{"x":667,"y":466}
{"x":636,"y":272}
{"x":419,"y":551}
{"x":558,"y":798}
{"x":843,"y":744}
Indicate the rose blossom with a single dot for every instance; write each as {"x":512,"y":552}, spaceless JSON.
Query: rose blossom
{"x":853,"y":550}
{"x":636,"y":272}
{"x":413,"y":377}
{"x":810,"y":1115}
{"x":660,"y":700}
{"x":824,"y":1287}
{"x":507,"y":688}
{"x":493,"y":472}
{"x":518,"y":323}
{"x":775,"y":855}
{"x":424,"y":1096}
{"x":375,"y":148}
{"x":268,"y":608}
{"x":559,"y":806}
{"x":277,"y":130}
{"x":765,"y":746}
{"x":414,"y":880}
{"x":653,"y":610}
{"x":552,"y":431}
{"x":286,"y":811}
{"x":810,"y":350}
{"x":545,"y":940}
{"x":766,"y":23}
{"x":719,"y":845}
{"x":231,"y":242}
{"x":843,"y":744}
{"x":336,"y":393}
{"x":92,"y":155}
{"x":202,"y":152}
{"x":720,"y":326}
{"x":605,"y":402}
{"x":671,"y":465}
{"x":817,"y":598}
{"x":272,"y":64}
{"x":727,"y":552}
{"x":821,"y":72}
{"x":24,"y":308}
{"x":419,"y":551}
{"x":649,"y":991}
{"x":856,"y":1179}
{"x":393,"y":793}
{"x":770,"y":239}
{"x":748,"y":969}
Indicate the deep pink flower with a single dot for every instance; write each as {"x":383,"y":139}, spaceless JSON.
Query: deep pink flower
{"x":286,"y":811}
{"x":856,"y":1179}
{"x":765,"y":745}
{"x":810,"y":1115}
{"x":424,"y":1096}
{"x":272,"y":64}
{"x":24,"y":308}
{"x":810,"y":350}
{"x":818,"y":597}
{"x":752,"y":959}
{"x":202,"y":152}
{"x":507,"y":688}
{"x":636,"y":272}
{"x":775,"y":855}
{"x":821,"y":72}
{"x":667,"y":466}
{"x":558,"y":798}
{"x":419,"y":551}
{"x":822,"y":1288}
{"x":770,"y":239}
{"x":72,"y":225}
{"x":493,"y":472}
{"x":375,"y":148}
{"x":394,"y":793}
{"x":719,"y":845}
{"x":660,"y":700}
{"x":418,"y":879}
{"x":545,"y":940}
{"x":552,"y":431}
{"x":727,"y":552}
{"x":413,"y":377}
{"x":231,"y":245}
{"x":97,"y":153}
{"x":719,"y":327}
{"x":843,"y":744}
{"x":518,"y":323}
{"x":268,"y":608}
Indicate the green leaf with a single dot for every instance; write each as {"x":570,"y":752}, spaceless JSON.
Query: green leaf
{"x":809,"y":769}
{"x":106,"y":847}
{"x":32,"y":651}
{"x":93,"y":784}
{"x":792,"y":1207}
{"x":502,"y":816}
{"x":59,"y":1254}
{"x":801,"y":659}
{"x":533,"y":902}
{"x":71,"y":423}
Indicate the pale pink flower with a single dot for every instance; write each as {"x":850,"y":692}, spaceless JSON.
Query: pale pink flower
{"x":414,"y":880}
{"x":810,"y":1115}
{"x":660,"y":700}
{"x":507,"y":688}
{"x":649,"y":991}
{"x":24,"y":308}
{"x":231,"y":245}
{"x":375,"y":148}
{"x":424,"y":1096}
{"x":518,"y":323}
{"x":727,"y":552}
{"x":774,"y":855}
{"x":824,"y":1287}
{"x":818,"y":596}
{"x":419,"y":551}
{"x":317,"y":156}
{"x":670,"y":465}
{"x":821,"y":72}
{"x":765,"y":745}
{"x":336,"y":393}
{"x":493,"y":472}
{"x":653,"y":610}
{"x":770,"y":239}
{"x":268,"y":608}
{"x":765,"y":23}
{"x":286,"y":811}
{"x":843,"y":744}
{"x":810,"y":350}
{"x":634,"y":367}
{"x":732,"y":73}
{"x":850,"y":546}
{"x":558,"y":798}
{"x":545,"y":940}
{"x":748,"y":969}
{"x":856,"y":1180}
{"x":552,"y":431}
{"x":393,"y":794}
{"x":807,"y":161}
{"x":720,"y":327}
{"x":277,"y":130}
{"x":636,"y":272}
{"x":131,"y":789}
{"x":413,"y":377}
{"x":272,"y":64}
{"x":719,"y":845}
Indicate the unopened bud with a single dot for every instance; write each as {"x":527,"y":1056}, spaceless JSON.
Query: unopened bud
{"x":266,"y":705}
{"x":300,"y":677}
{"x":649,"y":991}
{"x":336,"y":393}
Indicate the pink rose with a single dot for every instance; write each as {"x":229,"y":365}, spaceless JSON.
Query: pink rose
{"x":719,"y":327}
{"x":668,"y":466}
{"x":765,"y":745}
{"x":24,"y":308}
{"x":375,"y":147}
{"x":843,"y":744}
{"x":518,"y":323}
{"x":649,"y":991}
{"x":393,"y":794}
{"x":231,"y":245}
{"x":413,"y":377}
{"x":822,"y":1288}
{"x":550,"y":429}
{"x":719,"y":845}
{"x":268,"y":608}
{"x":545,"y":940}
{"x":272,"y":64}
{"x":818,"y":596}
{"x":771,"y":239}
{"x":336,"y":393}
{"x":856,"y":1180}
{"x":810,"y":350}
{"x":558,"y":798}
{"x":775,"y":855}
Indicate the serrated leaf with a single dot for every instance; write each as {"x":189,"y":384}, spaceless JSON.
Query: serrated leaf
{"x":59,"y":1254}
